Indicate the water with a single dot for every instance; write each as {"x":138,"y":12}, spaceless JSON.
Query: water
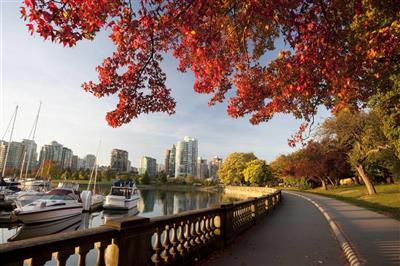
{"x":153,"y":203}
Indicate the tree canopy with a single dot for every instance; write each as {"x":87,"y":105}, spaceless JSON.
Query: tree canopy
{"x":338,"y":53}
{"x":257,"y":172}
{"x":231,"y":171}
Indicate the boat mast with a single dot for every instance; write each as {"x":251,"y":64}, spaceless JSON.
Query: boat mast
{"x":22,"y":166}
{"x":9,"y":142}
{"x":33,"y":139}
{"x":94,"y":168}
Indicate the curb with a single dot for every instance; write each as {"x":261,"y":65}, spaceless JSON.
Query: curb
{"x":349,"y":253}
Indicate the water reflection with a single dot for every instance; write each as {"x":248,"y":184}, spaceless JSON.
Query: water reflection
{"x":153,"y":203}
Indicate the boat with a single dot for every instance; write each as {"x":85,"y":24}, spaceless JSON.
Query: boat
{"x":123,"y":196}
{"x":57,"y":204}
{"x":68,"y":185}
{"x":32,"y":188}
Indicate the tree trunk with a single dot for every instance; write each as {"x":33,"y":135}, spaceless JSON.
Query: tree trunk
{"x":356,"y":180}
{"x":324,"y":184}
{"x":365,"y":178}
{"x":330,"y":180}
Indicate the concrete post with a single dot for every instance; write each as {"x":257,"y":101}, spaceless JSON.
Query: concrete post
{"x":226,"y":223}
{"x":134,"y":240}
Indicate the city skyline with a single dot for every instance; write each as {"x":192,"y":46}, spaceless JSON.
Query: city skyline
{"x":76,"y":119}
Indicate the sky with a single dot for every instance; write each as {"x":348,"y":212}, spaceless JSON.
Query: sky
{"x":34,"y":70}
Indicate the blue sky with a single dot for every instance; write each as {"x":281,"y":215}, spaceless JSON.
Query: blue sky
{"x":34,"y":70}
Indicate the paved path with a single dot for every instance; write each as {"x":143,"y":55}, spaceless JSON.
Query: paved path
{"x":295,"y":234}
{"x":298,"y":234}
{"x":374,"y":237}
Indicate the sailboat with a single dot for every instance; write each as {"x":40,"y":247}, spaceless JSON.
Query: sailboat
{"x":90,"y":198}
{"x":10,"y":186}
{"x":33,"y":188}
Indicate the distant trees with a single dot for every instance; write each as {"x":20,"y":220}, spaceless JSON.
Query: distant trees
{"x":244,"y":169}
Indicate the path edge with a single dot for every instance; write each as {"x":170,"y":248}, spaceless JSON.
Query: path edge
{"x":348,"y":251}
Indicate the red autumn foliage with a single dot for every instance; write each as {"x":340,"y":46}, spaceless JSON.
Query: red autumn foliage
{"x":337,"y":51}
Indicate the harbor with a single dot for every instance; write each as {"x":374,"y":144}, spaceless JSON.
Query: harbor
{"x":152,"y":203}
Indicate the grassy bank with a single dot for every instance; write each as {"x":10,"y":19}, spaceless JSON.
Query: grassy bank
{"x":386,"y":201}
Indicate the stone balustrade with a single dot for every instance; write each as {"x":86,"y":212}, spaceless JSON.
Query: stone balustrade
{"x":176,"y":239}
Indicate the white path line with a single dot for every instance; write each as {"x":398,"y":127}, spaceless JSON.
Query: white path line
{"x":344,"y":244}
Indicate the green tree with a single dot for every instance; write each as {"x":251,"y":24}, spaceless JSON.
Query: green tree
{"x":360,"y":135}
{"x":66,"y":175}
{"x":161,"y":178}
{"x":231,"y":171}
{"x":146,"y":179}
{"x":386,"y":104}
{"x":75,"y":175}
{"x":257,"y":172}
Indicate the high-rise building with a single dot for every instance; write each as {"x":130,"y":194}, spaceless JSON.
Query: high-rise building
{"x":160,"y":168}
{"x":74,"y":163}
{"x":81,"y":164}
{"x":66,"y":158}
{"x":30,"y":151}
{"x":171,"y":164}
{"x":202,"y":168}
{"x":166,"y":161}
{"x":186,"y":157}
{"x":15,"y":154}
{"x":90,"y":161}
{"x":51,"y":152}
{"x":214,"y":165}
{"x":149,"y":165}
{"x":119,"y":160}
{"x":129,"y":168}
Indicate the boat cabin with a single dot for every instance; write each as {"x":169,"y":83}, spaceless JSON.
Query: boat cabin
{"x":61,"y":194}
{"x":123,"y":191}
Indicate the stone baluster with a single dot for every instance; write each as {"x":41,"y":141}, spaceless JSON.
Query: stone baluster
{"x":156,"y":257}
{"x":166,"y":244}
{"x":101,"y":247}
{"x":41,"y":259}
{"x":174,"y":241}
{"x":181,"y":238}
{"x":63,"y":255}
{"x":82,"y":251}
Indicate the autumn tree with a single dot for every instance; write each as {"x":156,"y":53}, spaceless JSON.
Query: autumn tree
{"x":231,"y":171}
{"x":257,"y":172}
{"x":337,"y":53}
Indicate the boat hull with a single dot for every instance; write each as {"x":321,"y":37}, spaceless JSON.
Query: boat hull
{"x":120,"y":203}
{"x":48,"y":214}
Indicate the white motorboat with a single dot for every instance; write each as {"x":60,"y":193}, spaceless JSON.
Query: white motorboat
{"x":55,"y":205}
{"x":123,"y":196}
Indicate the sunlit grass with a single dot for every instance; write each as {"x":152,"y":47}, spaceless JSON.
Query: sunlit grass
{"x":386,"y":201}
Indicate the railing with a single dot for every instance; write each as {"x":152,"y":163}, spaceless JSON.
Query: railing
{"x":177,"y":239}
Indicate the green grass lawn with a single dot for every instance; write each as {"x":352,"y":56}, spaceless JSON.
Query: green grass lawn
{"x":386,"y":201}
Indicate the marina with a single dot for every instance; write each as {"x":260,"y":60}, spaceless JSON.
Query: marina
{"x":151,"y":203}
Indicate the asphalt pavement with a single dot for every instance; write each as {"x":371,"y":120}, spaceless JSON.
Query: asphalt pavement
{"x":297,"y":233}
